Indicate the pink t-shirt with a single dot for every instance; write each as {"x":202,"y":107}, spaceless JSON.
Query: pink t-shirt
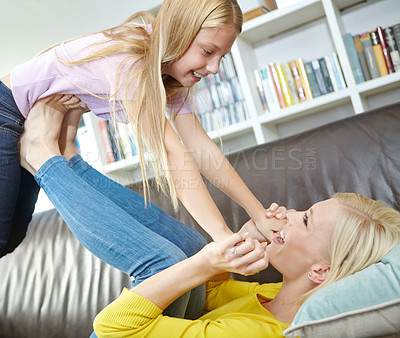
{"x":45,"y":75}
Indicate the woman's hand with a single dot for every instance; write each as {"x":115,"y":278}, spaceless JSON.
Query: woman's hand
{"x":267,"y":227}
{"x":237,"y":253}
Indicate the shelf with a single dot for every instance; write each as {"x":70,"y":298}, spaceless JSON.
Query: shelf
{"x":128,"y":163}
{"x":287,"y":18}
{"x":232,"y":130}
{"x":308,"y":107}
{"x":268,"y":34}
{"x":281,"y":20}
{"x":379,"y":84}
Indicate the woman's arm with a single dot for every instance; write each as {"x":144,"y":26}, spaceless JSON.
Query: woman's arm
{"x":217,"y":169}
{"x":191,"y":189}
{"x":139,"y":312}
{"x":215,"y":258}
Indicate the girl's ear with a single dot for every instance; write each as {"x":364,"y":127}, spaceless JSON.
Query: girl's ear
{"x":318,"y":273}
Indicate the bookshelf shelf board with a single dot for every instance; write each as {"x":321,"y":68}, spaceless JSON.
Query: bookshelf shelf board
{"x":128,"y":163}
{"x":379,"y":84}
{"x":281,"y":20}
{"x":305,"y":108}
{"x":231,"y":130}
{"x":343,"y":4}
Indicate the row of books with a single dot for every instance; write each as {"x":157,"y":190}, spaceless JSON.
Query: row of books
{"x":375,"y":53}
{"x":218,"y":99}
{"x":286,"y":84}
{"x":118,"y":140}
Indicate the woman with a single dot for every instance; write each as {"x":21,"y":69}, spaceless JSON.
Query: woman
{"x":135,"y":72}
{"x":329,"y":241}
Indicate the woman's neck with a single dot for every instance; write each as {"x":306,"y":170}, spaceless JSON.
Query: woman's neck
{"x":286,"y":303}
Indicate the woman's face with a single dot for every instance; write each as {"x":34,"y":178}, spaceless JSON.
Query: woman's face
{"x":304,"y":239}
{"x":203,"y":55}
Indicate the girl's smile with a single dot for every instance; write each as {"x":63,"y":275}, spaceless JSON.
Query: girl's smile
{"x":203,"y":56}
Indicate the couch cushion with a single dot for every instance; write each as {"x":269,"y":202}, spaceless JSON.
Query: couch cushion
{"x":51,"y":286}
{"x":362,"y":305}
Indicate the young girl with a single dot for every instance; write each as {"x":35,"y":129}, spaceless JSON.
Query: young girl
{"x":135,"y":72}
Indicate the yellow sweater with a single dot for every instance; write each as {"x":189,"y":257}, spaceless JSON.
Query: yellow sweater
{"x":234,"y":311}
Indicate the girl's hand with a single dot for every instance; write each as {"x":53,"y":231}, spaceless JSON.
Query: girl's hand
{"x":266,"y":227}
{"x":238,"y":253}
{"x":276,"y":211}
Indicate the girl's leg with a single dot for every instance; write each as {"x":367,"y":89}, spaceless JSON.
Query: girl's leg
{"x":157,"y":220}
{"x":190,"y":241}
{"x":18,"y":190}
{"x":104,"y":228}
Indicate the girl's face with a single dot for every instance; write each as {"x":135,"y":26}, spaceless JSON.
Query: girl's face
{"x":304,"y":239}
{"x":203,"y":55}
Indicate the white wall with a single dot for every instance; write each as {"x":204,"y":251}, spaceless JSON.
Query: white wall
{"x":29,"y":26}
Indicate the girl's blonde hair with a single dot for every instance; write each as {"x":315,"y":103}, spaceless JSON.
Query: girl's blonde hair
{"x":172,"y":31}
{"x":365,"y":231}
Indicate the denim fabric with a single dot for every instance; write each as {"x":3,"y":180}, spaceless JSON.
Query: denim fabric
{"x":18,"y":189}
{"x":111,"y":221}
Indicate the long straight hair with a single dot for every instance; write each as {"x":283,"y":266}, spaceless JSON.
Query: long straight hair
{"x":155,"y":43}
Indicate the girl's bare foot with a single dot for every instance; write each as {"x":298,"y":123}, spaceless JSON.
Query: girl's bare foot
{"x":39,"y":142}
{"x":68,"y":132}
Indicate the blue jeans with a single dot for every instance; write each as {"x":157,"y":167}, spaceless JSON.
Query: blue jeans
{"x":18,"y":189}
{"x":113,"y":223}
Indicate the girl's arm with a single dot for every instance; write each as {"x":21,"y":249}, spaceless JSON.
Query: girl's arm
{"x":191,"y":189}
{"x":217,"y":169}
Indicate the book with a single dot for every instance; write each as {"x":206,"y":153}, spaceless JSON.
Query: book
{"x":352,"y":53}
{"x":385,"y":49}
{"x":255,"y":13}
{"x":312,"y":79}
{"x":277,"y":85}
{"x":290,"y":82}
{"x":369,"y":55}
{"x":331,"y":71}
{"x":391,"y":45}
{"x":304,"y":78}
{"x":380,"y":59}
{"x":269,"y":89}
{"x":361,"y":56}
{"x":284,"y":86}
{"x":396,"y":34}
{"x":338,"y":71}
{"x":325,"y":75}
{"x":105,"y":138}
{"x":260,"y":90}
{"x":319,"y":77}
{"x":270,"y":4}
{"x":301,"y":93}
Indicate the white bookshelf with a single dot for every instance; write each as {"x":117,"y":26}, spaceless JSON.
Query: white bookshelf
{"x":307,"y":29}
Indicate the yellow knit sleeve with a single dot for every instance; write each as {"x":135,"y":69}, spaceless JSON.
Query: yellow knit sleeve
{"x":124,"y":315}
{"x":131,"y":315}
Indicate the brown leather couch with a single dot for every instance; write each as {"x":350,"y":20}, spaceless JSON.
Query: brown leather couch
{"x":50,"y":286}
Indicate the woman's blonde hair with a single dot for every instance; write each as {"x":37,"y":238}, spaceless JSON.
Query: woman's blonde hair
{"x":365,"y":231}
{"x":172,"y":31}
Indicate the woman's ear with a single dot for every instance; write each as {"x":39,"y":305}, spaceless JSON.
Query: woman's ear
{"x":318,"y":273}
